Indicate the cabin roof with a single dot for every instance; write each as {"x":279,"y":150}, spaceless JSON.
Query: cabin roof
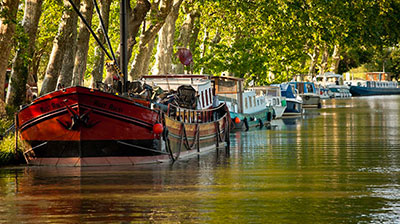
{"x":329,"y":74}
{"x":175,"y":76}
{"x":264,"y":87}
{"x":228,"y":77}
{"x":172,"y":81}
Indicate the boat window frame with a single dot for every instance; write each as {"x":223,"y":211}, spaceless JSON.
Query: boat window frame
{"x":202,"y":99}
{"x":206,"y":94}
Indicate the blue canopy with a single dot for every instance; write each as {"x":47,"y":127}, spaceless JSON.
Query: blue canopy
{"x":286,"y":90}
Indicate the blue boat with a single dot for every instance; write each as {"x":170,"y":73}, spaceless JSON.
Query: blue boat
{"x":370,"y":88}
{"x":375,"y":83}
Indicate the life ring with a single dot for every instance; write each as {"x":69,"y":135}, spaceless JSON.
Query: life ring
{"x":307,"y":97}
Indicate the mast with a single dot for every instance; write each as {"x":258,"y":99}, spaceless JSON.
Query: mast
{"x":123,"y":44}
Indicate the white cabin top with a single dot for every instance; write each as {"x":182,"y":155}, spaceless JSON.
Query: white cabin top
{"x":373,"y":84}
{"x":329,"y":78}
{"x":239,"y":100}
{"x":201,"y":83}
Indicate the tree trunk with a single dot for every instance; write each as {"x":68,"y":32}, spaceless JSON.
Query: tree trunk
{"x":17,"y":92}
{"x":147,"y":57}
{"x":65,"y":78}
{"x":165,"y":46}
{"x":324,"y":60}
{"x":185,"y":34}
{"x":314,"y":61}
{"x":7,"y":29}
{"x":82,"y":44}
{"x":57,"y":54}
{"x":159,"y":17}
{"x":335,"y":59}
{"x":97,"y":74}
{"x":203,"y":47}
{"x":135,"y":19}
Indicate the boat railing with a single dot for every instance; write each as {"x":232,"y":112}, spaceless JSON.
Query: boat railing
{"x":196,"y":116}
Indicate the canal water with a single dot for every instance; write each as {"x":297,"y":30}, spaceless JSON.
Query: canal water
{"x":339,"y":164}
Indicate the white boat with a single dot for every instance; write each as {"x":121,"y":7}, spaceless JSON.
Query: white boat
{"x":273,"y":98}
{"x":334,"y":83}
{"x":308,"y":93}
{"x":294,"y":102}
{"x":247,"y":107}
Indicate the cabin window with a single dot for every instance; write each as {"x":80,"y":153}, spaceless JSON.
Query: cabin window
{"x":254,"y":100}
{"x":250,"y":103}
{"x":245,"y":103}
{"x":202,"y":99}
{"x":300,"y":87}
{"x":206,"y":93}
{"x":309,"y":88}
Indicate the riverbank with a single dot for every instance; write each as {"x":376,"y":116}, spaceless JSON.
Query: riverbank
{"x":9,"y":155}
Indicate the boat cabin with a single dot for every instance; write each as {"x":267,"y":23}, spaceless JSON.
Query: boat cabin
{"x":230,"y":90}
{"x":329,"y":78}
{"x":200,"y":83}
{"x":272,"y":94}
{"x":288,"y":91}
{"x":373,"y":84}
{"x":304,"y":87}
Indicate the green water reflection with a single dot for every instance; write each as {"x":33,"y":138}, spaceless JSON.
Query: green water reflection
{"x":339,"y":164}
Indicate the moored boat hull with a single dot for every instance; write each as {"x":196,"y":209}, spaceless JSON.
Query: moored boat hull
{"x":311,"y":100}
{"x":370,"y":91}
{"x":78,"y":126}
{"x":293,"y":108}
{"x":188,"y":138}
{"x":258,"y":119}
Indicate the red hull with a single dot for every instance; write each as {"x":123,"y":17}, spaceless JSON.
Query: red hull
{"x":78,"y":126}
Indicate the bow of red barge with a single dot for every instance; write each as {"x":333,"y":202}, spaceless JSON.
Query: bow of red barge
{"x":78,"y":126}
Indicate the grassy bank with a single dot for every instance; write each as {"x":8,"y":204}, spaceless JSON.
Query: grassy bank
{"x":8,"y":154}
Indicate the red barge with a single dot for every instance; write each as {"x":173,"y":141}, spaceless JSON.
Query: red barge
{"x":78,"y":126}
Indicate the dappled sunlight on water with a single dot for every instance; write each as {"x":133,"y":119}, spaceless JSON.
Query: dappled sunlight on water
{"x":339,"y":164}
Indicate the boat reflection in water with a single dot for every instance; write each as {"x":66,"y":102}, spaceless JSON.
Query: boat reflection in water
{"x":140,"y":193}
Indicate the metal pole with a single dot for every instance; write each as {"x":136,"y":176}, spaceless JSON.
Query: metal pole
{"x":123,"y":44}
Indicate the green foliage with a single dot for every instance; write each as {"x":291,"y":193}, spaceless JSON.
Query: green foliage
{"x":265,"y":41}
{"x":47,"y":30}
